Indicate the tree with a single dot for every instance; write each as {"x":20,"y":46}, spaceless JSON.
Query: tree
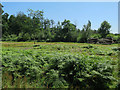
{"x":46,"y":23}
{"x":1,"y":11}
{"x":57,"y":32}
{"x":19,"y":23}
{"x":5,"y":22}
{"x":68,"y":31}
{"x":86,"y":32}
{"x":37,"y":22}
{"x":104,"y":29}
{"x":34,"y":26}
{"x":52,"y":22}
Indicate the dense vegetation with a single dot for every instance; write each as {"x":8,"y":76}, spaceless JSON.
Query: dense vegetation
{"x":35,"y":26}
{"x":59,"y":65}
{"x":52,"y":63}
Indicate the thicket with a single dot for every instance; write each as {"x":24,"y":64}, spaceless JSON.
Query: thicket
{"x":43,"y":69}
{"x":35,"y":27}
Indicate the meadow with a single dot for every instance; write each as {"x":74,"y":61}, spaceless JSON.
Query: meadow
{"x":59,"y":65}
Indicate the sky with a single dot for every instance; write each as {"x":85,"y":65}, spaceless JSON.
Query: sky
{"x":77,"y":12}
{"x":60,"y":0}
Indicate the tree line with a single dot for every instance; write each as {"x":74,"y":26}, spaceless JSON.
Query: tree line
{"x":35,"y":27}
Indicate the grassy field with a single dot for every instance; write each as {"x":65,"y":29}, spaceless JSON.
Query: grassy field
{"x":59,"y":65}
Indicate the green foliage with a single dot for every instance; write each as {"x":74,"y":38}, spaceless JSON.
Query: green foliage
{"x":98,"y":36}
{"x":68,"y":33}
{"x":86,"y":32}
{"x":1,"y":11}
{"x":35,"y":26}
{"x":55,"y":69}
{"x":79,"y":38}
{"x":115,"y":37}
{"x":11,"y":37}
{"x":104,"y":29}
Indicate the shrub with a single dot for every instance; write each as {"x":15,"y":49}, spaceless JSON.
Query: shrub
{"x":58,"y":70}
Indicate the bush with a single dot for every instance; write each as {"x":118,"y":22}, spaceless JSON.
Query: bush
{"x":58,"y":70}
{"x":98,"y":36}
{"x":115,"y":37}
{"x":11,"y":37}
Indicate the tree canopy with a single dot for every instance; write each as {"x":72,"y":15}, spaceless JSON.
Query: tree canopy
{"x":35,"y":26}
{"x":104,"y":29}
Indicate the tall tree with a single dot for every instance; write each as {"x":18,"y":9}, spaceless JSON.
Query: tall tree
{"x":66,"y":31}
{"x":86,"y":32}
{"x":1,"y":12}
{"x":37,"y":17}
{"x":104,"y":29}
{"x":52,"y":22}
{"x":5,"y":22}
